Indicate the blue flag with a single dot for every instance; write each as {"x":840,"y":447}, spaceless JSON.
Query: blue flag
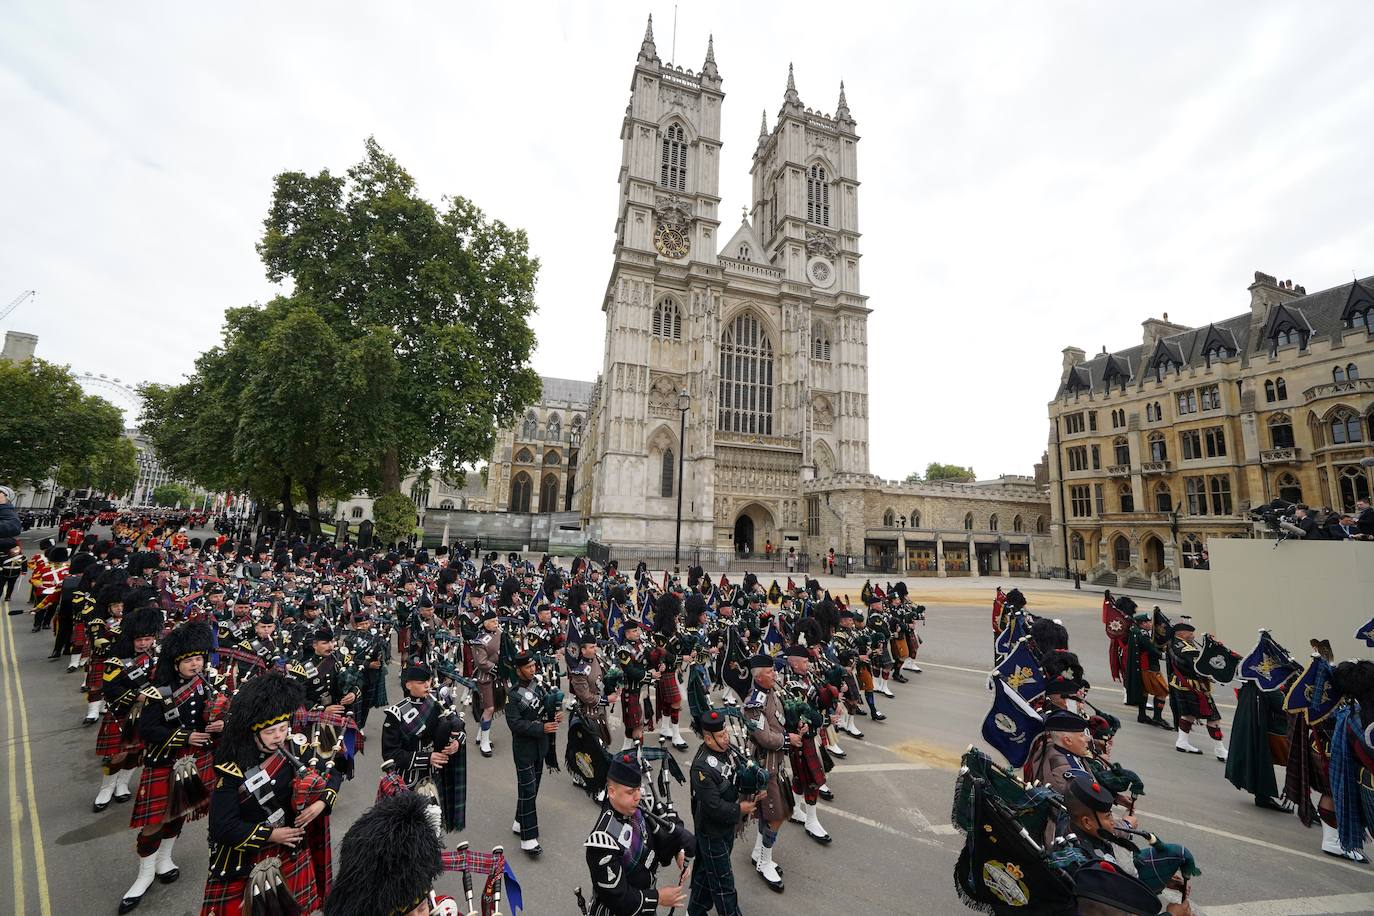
{"x":1002,"y":646}
{"x":538,"y":596}
{"x":1011,"y":725}
{"x":1021,"y":672}
{"x":1366,"y":633}
{"x":1312,"y":694}
{"x":772,"y":640}
{"x":514,"y":896}
{"x":1269,"y":665}
{"x":613,"y":619}
{"x":574,"y":634}
{"x":645,"y":615}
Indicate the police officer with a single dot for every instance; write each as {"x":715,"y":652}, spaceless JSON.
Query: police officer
{"x":716,"y":813}
{"x":531,"y":732}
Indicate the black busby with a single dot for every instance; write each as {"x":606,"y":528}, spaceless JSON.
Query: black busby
{"x":189,"y":639}
{"x":264,"y":700}
{"x":388,"y":861}
{"x":142,"y":621}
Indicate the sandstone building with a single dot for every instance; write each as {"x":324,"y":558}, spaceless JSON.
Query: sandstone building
{"x":1157,"y":448}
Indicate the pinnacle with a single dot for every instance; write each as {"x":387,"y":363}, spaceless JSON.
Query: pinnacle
{"x":842,"y":109}
{"x":791,"y":97}
{"x":647,"y":51}
{"x":708,"y":69}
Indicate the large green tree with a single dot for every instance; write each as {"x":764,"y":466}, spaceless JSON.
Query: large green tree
{"x":111,"y":470}
{"x":937,"y":471}
{"x":47,"y":421}
{"x":172,"y":494}
{"x":452,"y":291}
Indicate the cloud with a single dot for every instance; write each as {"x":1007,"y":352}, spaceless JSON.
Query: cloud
{"x":1034,"y":175}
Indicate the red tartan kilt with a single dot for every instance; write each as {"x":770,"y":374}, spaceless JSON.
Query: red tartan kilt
{"x":95,"y":679}
{"x":224,"y":897}
{"x":668,"y":692}
{"x":109,"y":742}
{"x":807,"y":770}
{"x":632,"y":711}
{"x":150,"y":801}
{"x":78,"y":638}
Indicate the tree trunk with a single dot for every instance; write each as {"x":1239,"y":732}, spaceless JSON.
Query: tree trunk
{"x":390,"y":472}
{"x":288,"y":508}
{"x":312,"y":500}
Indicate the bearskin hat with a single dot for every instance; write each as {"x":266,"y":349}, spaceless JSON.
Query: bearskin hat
{"x":694,"y":604}
{"x":388,"y":860}
{"x":809,"y":630}
{"x":188,"y":639}
{"x":1355,"y":679}
{"x":265,"y":699}
{"x":1048,"y":635}
{"x":1062,"y":662}
{"x":1014,"y":600}
{"x":140,"y":596}
{"x":666,"y":611}
{"x":144,"y":621}
{"x":110,"y":594}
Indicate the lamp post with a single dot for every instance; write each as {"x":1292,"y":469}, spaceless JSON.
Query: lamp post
{"x":684,"y":402}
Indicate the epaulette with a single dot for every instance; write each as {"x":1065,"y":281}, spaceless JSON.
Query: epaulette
{"x":230,"y":769}
{"x":755,"y":700}
{"x":600,"y":839}
{"x":296,"y":668}
{"x":151,"y":692}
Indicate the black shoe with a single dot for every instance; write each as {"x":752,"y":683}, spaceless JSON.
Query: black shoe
{"x":878,"y":715}
{"x":897,"y":676}
{"x":54,"y":656}
{"x":827,"y":795}
{"x":1143,"y":719}
{"x":532,"y":853}
{"x":98,"y":807}
{"x":121,"y":799}
{"x":860,"y":711}
{"x":129,"y":904}
{"x":88,"y":721}
{"x":169,"y":877}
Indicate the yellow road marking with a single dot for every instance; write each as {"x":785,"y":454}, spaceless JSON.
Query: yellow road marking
{"x":16,"y":831}
{"x":35,"y":828}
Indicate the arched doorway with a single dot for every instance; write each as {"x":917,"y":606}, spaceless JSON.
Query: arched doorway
{"x":1121,"y":552}
{"x":744,"y":536}
{"x":1152,"y":554}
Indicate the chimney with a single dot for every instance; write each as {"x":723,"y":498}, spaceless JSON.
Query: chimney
{"x":1265,"y":292}
{"x":1155,"y":328}
{"x":1072,"y":357}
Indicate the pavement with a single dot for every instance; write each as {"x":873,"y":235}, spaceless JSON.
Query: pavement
{"x":894,"y":848}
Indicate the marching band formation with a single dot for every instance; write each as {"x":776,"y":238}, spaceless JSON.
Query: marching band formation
{"x":236,"y":681}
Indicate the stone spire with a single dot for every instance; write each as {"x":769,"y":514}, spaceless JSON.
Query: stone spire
{"x":647,"y":51}
{"x":763,"y":126}
{"x":708,"y":69}
{"x":842,"y":109}
{"x":790,"y":97}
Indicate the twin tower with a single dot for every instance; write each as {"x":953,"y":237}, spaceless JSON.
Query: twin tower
{"x":754,"y":346}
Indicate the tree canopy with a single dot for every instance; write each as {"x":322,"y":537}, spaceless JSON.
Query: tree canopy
{"x":47,"y":422}
{"x":937,"y":471}
{"x":404,"y":343}
{"x":172,"y":495}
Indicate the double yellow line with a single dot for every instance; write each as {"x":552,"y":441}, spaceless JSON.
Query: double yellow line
{"x":16,"y":708}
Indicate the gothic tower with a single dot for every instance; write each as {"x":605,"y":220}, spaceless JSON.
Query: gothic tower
{"x":656,"y":304}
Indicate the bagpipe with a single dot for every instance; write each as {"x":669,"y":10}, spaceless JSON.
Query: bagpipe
{"x":494,"y":867}
{"x":189,"y":788}
{"x":750,"y":778}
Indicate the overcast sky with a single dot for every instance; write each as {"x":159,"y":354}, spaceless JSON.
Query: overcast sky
{"x":1034,"y":175}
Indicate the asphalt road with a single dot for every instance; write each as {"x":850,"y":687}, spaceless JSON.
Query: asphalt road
{"x":894,"y":848}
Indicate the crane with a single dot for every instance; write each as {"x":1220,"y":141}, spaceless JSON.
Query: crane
{"x":16,"y":302}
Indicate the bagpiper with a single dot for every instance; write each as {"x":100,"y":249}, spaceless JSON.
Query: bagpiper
{"x":126,"y":671}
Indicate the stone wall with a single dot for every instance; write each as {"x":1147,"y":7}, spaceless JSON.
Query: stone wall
{"x":556,"y":532}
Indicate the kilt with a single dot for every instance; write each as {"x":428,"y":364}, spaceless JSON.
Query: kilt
{"x":913,"y":644}
{"x":224,"y":896}
{"x":110,"y":740}
{"x":1197,"y":704}
{"x":78,"y":638}
{"x":487,"y":691}
{"x":631,"y":711}
{"x":865,"y":676}
{"x":318,"y":843}
{"x":1154,"y":684}
{"x":155,"y":783}
{"x":95,"y":678}
{"x":667,"y":692}
{"x":777,"y":801}
{"x":807,"y":770}
{"x":899,"y":649}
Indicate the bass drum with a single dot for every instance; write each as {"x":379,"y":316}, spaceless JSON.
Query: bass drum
{"x":586,"y":755}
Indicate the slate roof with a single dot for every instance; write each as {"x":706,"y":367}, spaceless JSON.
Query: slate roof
{"x":566,"y":389}
{"x":1321,"y":313}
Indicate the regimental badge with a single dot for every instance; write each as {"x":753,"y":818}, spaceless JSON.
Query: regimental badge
{"x":1004,"y":880}
{"x":584,"y":764}
{"x":1115,"y":627}
{"x":1267,"y":666}
{"x":1217,"y":662}
{"x":1022,"y":675}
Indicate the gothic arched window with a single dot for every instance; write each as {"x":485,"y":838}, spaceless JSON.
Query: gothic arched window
{"x":1016,"y":524}
{"x":1290,"y":490}
{"x":992,"y":522}
{"x":820,"y":341}
{"x":1345,"y":428}
{"x":520,"y":488}
{"x":889,"y":519}
{"x":555,"y":427}
{"x":915,"y":518}
{"x":746,"y":378}
{"x":672,"y":169}
{"x":548,"y":493}
{"x":530,"y":428}
{"x":1280,"y":431}
{"x":968,"y":521}
{"x":1281,"y":388}
{"x":817,"y":196}
{"x":667,"y":319}
{"x":523,"y":456}
{"x":667,"y":473}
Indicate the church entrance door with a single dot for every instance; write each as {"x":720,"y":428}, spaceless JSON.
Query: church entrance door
{"x":744,"y":536}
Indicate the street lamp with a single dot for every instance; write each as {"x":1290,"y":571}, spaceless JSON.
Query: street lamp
{"x":684,"y":402}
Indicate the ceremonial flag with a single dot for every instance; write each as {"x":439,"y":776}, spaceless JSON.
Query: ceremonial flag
{"x":1216,"y":661}
{"x":1001,"y":869}
{"x":1269,"y":665}
{"x":613,"y":618}
{"x":1366,"y":633}
{"x":514,"y":895}
{"x":538,"y":596}
{"x":724,"y":582}
{"x":1161,"y":628}
{"x":645,"y":615}
{"x":1311,"y":694}
{"x":772,"y":640}
{"x":1021,"y":672}
{"x":1118,"y":625}
{"x":791,"y":586}
{"x":1006,"y":640}
{"x":574,"y":635}
{"x":997,"y":602}
{"x":1011,"y":724}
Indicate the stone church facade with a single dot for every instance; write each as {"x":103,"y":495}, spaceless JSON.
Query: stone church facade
{"x":744,"y":359}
